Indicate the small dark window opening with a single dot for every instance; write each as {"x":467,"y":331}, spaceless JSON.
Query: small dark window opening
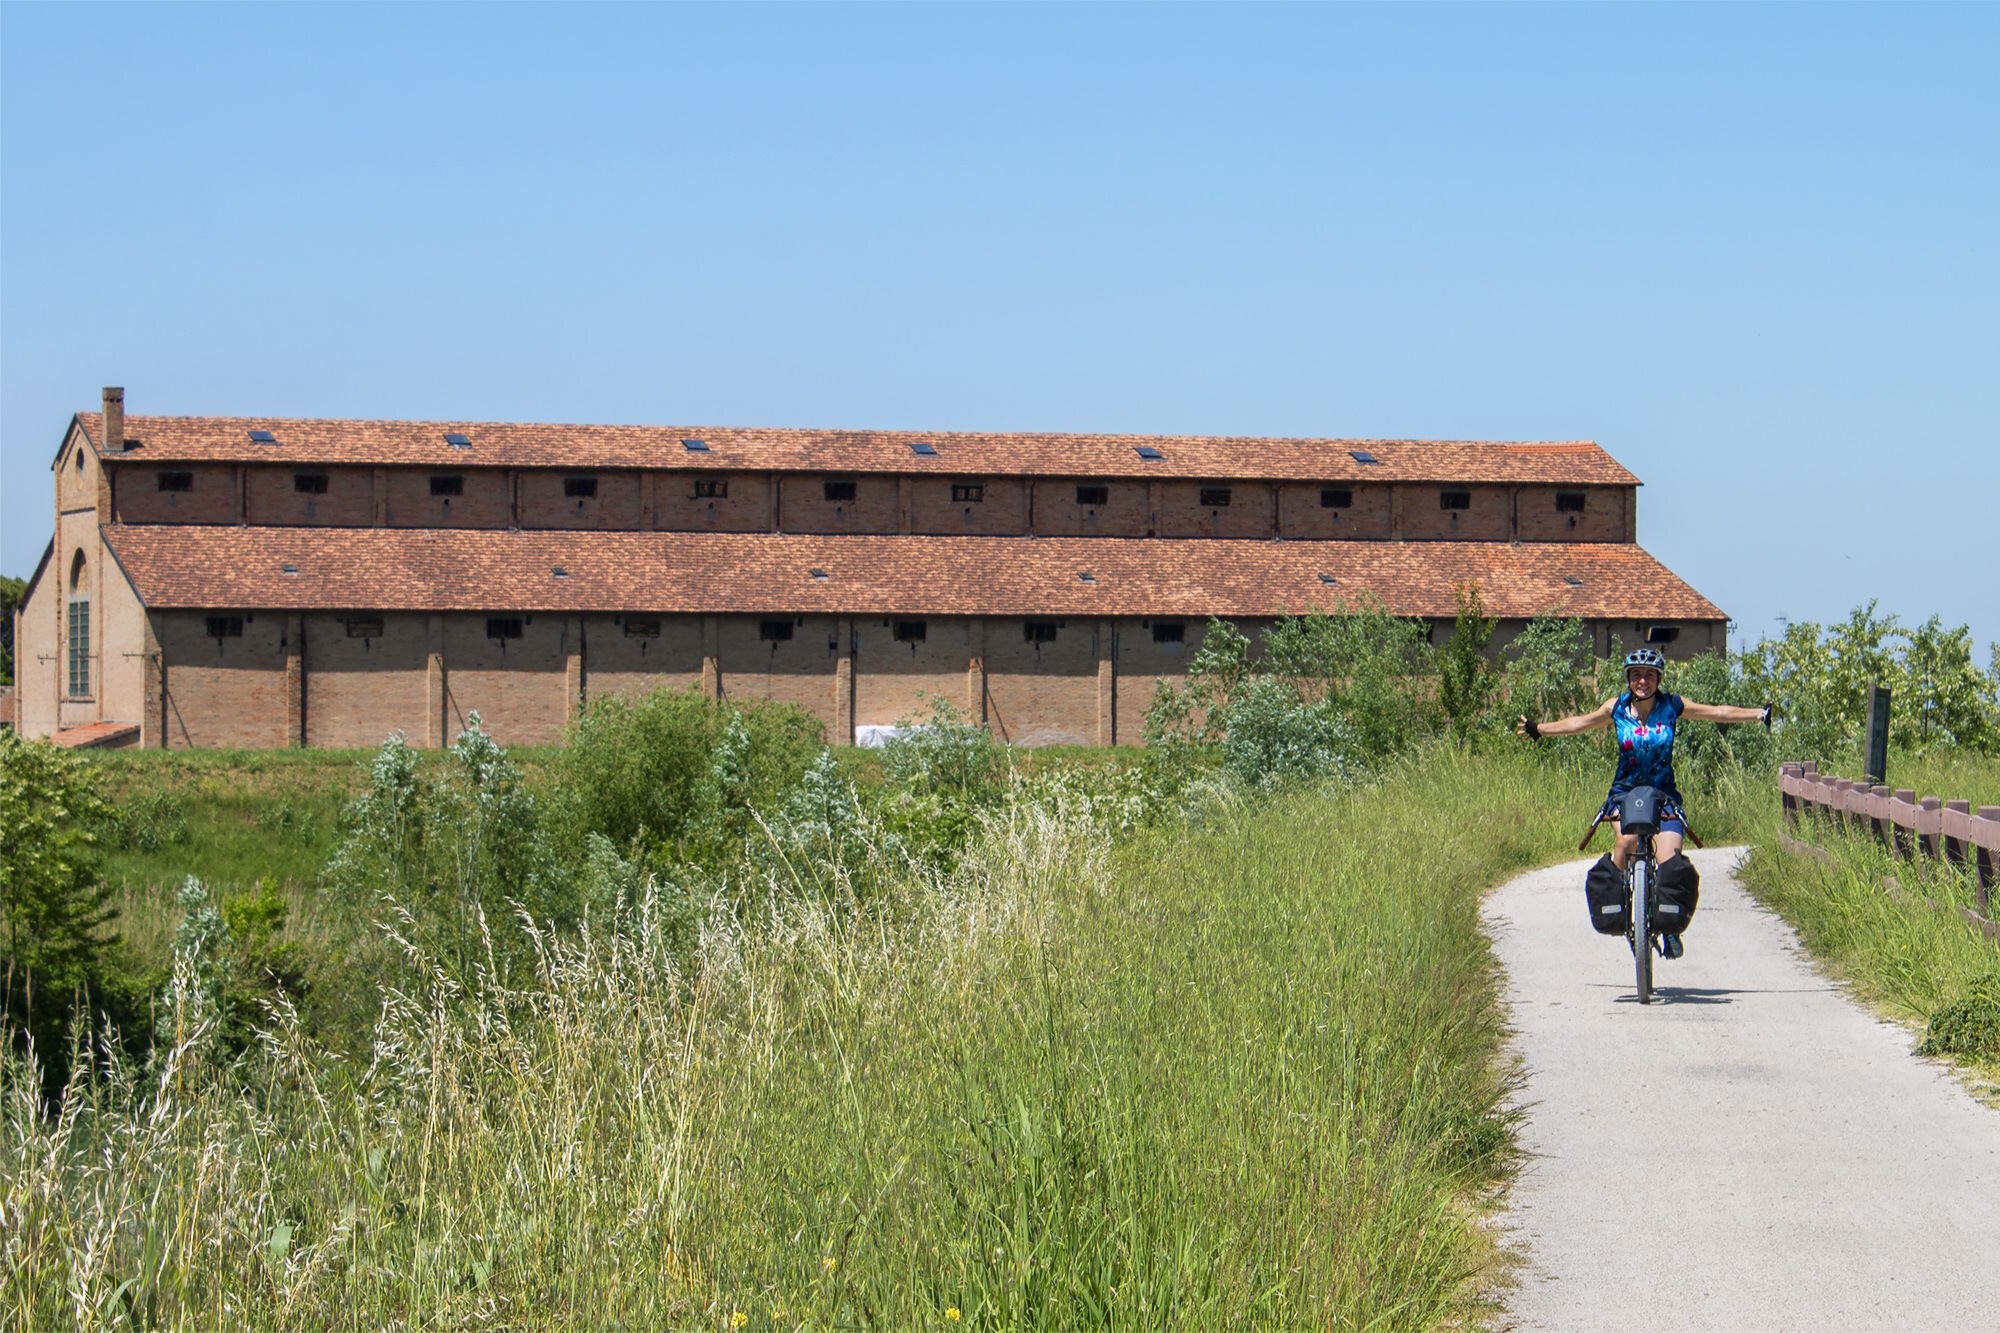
{"x":1569,"y":502}
{"x":1039,"y":631}
{"x":839,"y":492}
{"x":910,"y":631}
{"x":580,"y":488}
{"x":447,"y":483}
{"x":309,"y":483}
{"x":1662,"y":633}
{"x":79,"y":460}
{"x":176,"y":481}
{"x":503,"y":627}
{"x":1093,"y":495}
{"x":642,"y":627}
{"x":1454,"y":499}
{"x":775,"y":631}
{"x":711,"y":488}
{"x":1169,"y":631}
{"x":970,"y":493}
{"x":1215,"y":497}
{"x":1336,"y":497}
{"x":225,"y":627}
{"x":364,"y":627}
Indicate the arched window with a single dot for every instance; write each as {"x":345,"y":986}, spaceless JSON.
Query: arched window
{"x":79,"y":630}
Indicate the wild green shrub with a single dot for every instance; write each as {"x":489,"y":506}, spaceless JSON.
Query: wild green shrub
{"x":152,"y":821}
{"x":453,"y":848}
{"x":1466,"y":682}
{"x":1968,"y":1026}
{"x":1378,"y":670}
{"x":1274,"y":738}
{"x":56,"y":911}
{"x":947,"y":754}
{"x":672,"y":777}
{"x":1550,"y":671}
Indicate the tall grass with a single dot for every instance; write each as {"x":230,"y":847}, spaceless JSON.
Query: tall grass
{"x":1910,"y":951}
{"x":1242,"y":1073}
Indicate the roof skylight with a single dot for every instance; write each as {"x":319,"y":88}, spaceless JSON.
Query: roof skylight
{"x":559,"y":572}
{"x":457,"y":441}
{"x":924,"y":449}
{"x":1085,"y":576}
{"x":1148,"y":451}
{"x":1573,"y":581}
{"x":1329,"y":580}
{"x":289,"y":568}
{"x":817,"y":573}
{"x":262,"y":437}
{"x":695,"y":446}
{"x":1363,"y":457}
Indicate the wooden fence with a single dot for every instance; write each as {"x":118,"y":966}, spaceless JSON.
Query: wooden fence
{"x":1899,"y":820}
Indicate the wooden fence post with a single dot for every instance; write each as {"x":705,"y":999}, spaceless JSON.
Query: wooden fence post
{"x":1983,"y":858}
{"x":1954,"y":847}
{"x":1903,"y":821}
{"x":1930,"y":823}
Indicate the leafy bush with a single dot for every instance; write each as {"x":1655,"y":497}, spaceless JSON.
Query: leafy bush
{"x":1968,"y":1026}
{"x":946,"y":753}
{"x":1552,"y":673}
{"x":1465,"y":679}
{"x":673,"y":777}
{"x":1274,"y":738}
{"x":152,"y":821}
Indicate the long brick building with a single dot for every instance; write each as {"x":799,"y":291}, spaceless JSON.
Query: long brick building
{"x":223,"y":582}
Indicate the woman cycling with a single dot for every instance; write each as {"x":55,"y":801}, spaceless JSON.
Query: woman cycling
{"x":1645,"y":720}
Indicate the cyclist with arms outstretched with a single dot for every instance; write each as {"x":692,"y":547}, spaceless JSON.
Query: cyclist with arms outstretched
{"x":1645,"y":719}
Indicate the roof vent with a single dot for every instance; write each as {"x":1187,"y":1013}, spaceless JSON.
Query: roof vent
{"x":924,"y":449}
{"x":457,"y":441}
{"x":1086,"y":577}
{"x":289,"y":568}
{"x":1329,"y":580}
{"x":559,"y":572}
{"x":262,"y":437}
{"x":1573,"y":581}
{"x":1363,"y":457}
{"x":817,"y":573}
{"x":1148,"y":451}
{"x":695,"y":446}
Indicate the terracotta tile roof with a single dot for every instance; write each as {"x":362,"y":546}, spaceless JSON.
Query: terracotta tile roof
{"x":427,"y":569}
{"x":92,"y":735}
{"x":227,"y":439}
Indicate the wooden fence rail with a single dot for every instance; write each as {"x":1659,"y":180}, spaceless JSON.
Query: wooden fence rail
{"x":1908,"y":826}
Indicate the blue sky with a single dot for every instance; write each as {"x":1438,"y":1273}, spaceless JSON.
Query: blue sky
{"x":1754,"y":252}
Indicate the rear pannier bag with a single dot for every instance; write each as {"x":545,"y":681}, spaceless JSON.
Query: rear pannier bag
{"x":1679,"y":890}
{"x":1604,"y":889}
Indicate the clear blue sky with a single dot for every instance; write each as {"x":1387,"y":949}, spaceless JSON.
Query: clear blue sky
{"x":1753,"y":252}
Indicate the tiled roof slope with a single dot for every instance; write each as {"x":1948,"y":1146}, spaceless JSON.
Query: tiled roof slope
{"x":426,"y":569}
{"x":383,"y":443}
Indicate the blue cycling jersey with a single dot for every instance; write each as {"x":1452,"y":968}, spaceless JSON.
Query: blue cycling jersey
{"x":1645,"y":749}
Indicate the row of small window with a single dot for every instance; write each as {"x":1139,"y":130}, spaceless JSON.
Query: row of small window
{"x":447,"y":484}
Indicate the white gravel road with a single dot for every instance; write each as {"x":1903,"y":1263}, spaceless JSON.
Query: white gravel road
{"x":1753,"y":1150}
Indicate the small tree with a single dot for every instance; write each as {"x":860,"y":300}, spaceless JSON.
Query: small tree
{"x":1465,"y":679}
{"x":54,"y":904}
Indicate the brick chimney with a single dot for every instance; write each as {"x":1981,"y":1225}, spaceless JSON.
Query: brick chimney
{"x":114,"y":420}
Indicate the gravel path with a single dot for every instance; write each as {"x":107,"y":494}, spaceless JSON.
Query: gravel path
{"x":1753,"y":1150}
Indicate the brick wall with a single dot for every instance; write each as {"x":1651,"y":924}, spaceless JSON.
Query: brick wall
{"x":1602,"y":519}
{"x":1179,"y":511}
{"x":745,"y":505}
{"x":1303,"y":515}
{"x":892,"y":678}
{"x":487,"y":500}
{"x":544,"y":502}
{"x":1042,"y":694}
{"x":1421,"y":517}
{"x":215,"y":496}
{"x":1001,"y":510}
{"x":616,"y":662}
{"x":518,"y":686}
{"x":224,"y":691}
{"x":77,"y":477}
{"x":1057,"y":512}
{"x":799,"y":670}
{"x":802,"y":502}
{"x":272,"y":497}
{"x":36,"y":660}
{"x":358,"y":687}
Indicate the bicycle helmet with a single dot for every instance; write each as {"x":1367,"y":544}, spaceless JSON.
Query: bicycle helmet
{"x":1649,"y":658}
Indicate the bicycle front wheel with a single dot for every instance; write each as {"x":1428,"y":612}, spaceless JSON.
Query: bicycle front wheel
{"x":1642,"y":934}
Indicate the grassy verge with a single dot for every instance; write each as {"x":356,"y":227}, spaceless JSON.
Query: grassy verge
{"x":1910,"y":954}
{"x":1239,"y":1074}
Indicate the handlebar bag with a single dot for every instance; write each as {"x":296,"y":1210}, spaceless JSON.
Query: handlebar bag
{"x":1604,"y":890}
{"x":1680,"y":890}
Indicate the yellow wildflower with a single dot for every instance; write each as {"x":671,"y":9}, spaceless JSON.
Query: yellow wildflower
{"x":738,"y":1320}
{"x":829,"y":1263}
{"x":951,"y":1315}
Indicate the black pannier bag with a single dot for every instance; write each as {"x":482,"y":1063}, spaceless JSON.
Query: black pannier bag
{"x":1679,"y":890}
{"x":1604,"y":889}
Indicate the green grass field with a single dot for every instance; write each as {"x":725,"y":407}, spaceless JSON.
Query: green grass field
{"x":1239,"y":1072}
